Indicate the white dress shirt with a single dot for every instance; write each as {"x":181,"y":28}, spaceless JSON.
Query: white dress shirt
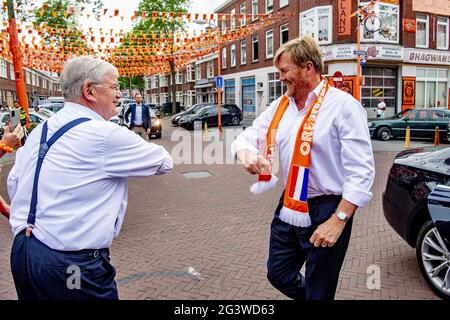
{"x":341,"y":158}
{"x":138,"y":115}
{"x":83,"y":184}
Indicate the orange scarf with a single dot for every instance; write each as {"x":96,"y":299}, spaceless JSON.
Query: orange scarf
{"x":295,"y":210}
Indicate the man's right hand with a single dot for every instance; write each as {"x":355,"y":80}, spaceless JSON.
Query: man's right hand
{"x":254,"y":164}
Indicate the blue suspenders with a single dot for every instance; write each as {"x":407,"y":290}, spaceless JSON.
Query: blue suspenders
{"x":43,"y":149}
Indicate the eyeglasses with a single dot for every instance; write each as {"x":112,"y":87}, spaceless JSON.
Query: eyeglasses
{"x":114,"y":87}
{"x":283,"y":72}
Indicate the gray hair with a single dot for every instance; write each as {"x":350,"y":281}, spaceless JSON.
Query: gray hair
{"x":81,"y":70}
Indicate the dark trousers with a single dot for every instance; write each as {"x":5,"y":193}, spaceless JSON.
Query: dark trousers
{"x":41,"y":273}
{"x":290,"y":249}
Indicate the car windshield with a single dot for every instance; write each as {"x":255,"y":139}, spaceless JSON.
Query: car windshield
{"x":403,"y":113}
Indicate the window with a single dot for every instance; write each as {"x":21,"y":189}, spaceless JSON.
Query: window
{"x":389,"y":16}
{"x":190,"y":73}
{"x":198,"y":69}
{"x":243,"y":12}
{"x":269,"y":6}
{"x":283,"y":3}
{"x":269,"y":44}
{"x":179,"y":96}
{"x":431,"y":88}
{"x":34,"y":78}
{"x":179,"y":78}
{"x":3,"y":68}
{"x":233,"y":55}
{"x":284,"y":33}
{"x":276,"y":87}
{"x":224,"y":58}
{"x":378,"y":81}
{"x":442,"y":33}
{"x":254,"y":9}
{"x":163,"y":98}
{"x":210,"y":69}
{"x":422,"y":31}
{"x":230,"y":90}
{"x":27,"y":77}
{"x":11,"y":72}
{"x":317,"y":24}
{"x":255,"y":45}
{"x":232,"y":19}
{"x":243,"y":52}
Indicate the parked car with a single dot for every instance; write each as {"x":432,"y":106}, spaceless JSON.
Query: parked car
{"x":35,"y":119}
{"x":52,"y":106}
{"x":418,"y":209}
{"x":230,"y":115}
{"x":156,"y":109}
{"x":51,"y":100}
{"x":422,"y":123}
{"x":192,"y":109}
{"x":46,"y":112}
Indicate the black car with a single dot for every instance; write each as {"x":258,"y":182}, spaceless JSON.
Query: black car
{"x":422,"y":123}
{"x":192,"y":109}
{"x":230,"y":115}
{"x":418,"y":209}
{"x":156,"y":109}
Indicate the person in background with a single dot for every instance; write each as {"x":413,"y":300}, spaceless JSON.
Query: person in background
{"x":381,"y":108}
{"x":140,"y":121}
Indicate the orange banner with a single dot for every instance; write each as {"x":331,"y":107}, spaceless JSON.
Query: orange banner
{"x":348,"y":85}
{"x":344,"y":12}
{"x":408,"y":92}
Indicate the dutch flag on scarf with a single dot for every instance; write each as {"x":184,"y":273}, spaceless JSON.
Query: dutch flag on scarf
{"x":299,"y":183}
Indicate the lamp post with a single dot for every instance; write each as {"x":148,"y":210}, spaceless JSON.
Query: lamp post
{"x":219,"y":88}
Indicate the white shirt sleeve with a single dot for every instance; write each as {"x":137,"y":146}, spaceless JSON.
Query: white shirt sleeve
{"x":356,"y":154}
{"x":255,"y":136}
{"x":127,"y":154}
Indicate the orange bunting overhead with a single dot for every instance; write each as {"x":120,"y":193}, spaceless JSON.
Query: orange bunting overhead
{"x":133,"y":53}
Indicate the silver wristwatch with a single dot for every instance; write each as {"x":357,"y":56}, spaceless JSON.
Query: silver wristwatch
{"x":342,"y":215}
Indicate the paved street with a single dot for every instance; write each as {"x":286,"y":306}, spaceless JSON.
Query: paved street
{"x":216,"y":227}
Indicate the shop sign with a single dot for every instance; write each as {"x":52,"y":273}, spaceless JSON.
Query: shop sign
{"x":408,"y":90}
{"x":343,"y":53}
{"x":427,"y":57}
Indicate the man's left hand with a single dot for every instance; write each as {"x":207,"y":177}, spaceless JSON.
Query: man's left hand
{"x":328,"y":232}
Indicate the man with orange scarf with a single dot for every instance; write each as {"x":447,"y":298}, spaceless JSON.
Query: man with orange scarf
{"x":327,"y":163}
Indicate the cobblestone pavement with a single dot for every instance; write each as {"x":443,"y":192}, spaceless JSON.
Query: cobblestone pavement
{"x":176,"y":227}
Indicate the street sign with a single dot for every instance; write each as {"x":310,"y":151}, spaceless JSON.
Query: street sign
{"x":359,"y":52}
{"x":219,"y":82}
{"x":338,"y":79}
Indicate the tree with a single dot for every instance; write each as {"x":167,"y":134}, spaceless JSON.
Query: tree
{"x":163,"y":26}
{"x":63,"y":15}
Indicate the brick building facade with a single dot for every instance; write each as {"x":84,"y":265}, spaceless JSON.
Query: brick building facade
{"x":407,"y":61}
{"x":39,"y":85}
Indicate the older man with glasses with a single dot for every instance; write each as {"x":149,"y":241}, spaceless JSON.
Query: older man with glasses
{"x":68,"y":189}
